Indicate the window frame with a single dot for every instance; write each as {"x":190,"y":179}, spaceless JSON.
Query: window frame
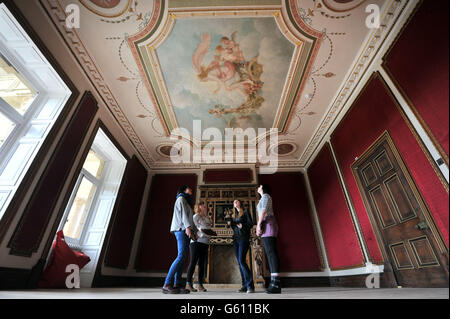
{"x":98,"y":183}
{"x":21,"y":121}
{"x":38,"y":125}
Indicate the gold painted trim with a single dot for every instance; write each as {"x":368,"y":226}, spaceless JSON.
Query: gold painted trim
{"x":309,"y":40}
{"x":298,"y":59}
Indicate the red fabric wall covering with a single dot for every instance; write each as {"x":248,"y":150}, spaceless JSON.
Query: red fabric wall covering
{"x":158,"y":247}
{"x":339,"y":233}
{"x":34,"y":221}
{"x":418,"y":62}
{"x":373,"y":112}
{"x":126,"y":214}
{"x":297,"y":245}
{"x":228,"y":175}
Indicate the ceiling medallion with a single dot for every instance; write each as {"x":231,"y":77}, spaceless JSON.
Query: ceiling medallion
{"x":284,"y":149}
{"x":107,"y":8}
{"x":342,"y":5}
{"x":164,"y":150}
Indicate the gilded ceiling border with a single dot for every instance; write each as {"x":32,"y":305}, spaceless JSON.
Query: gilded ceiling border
{"x":306,"y":39}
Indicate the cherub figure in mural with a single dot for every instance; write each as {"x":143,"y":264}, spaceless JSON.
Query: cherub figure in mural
{"x":232,"y":51}
{"x":230,"y":70}
{"x":226,"y":64}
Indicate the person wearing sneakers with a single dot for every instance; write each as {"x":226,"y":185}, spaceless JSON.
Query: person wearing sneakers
{"x":242,"y":224}
{"x":199,"y":249}
{"x":184,"y":229}
{"x":267,"y":228}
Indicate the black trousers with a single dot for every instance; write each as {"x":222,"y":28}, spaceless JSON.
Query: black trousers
{"x":198,"y":254}
{"x":270,"y":246}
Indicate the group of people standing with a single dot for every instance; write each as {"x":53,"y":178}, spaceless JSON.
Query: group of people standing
{"x":193,"y":232}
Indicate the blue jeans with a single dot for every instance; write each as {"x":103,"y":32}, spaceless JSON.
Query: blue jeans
{"x":176,"y":270}
{"x":241,"y":248}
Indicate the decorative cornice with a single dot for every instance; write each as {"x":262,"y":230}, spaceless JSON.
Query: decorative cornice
{"x":376,"y":39}
{"x":58,"y":15}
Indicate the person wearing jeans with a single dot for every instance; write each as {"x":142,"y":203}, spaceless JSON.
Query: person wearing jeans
{"x":184,"y":229}
{"x":242,"y":224}
{"x":267,"y":228}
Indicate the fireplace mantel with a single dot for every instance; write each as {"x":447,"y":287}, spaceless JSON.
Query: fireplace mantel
{"x":218,"y":199}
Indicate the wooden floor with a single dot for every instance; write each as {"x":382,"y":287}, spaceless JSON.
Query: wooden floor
{"x":230,"y":293}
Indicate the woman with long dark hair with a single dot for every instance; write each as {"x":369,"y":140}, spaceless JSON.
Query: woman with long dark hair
{"x":242,"y":224}
{"x":267,"y":228}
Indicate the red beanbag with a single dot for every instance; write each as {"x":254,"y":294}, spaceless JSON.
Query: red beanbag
{"x":54,"y":276}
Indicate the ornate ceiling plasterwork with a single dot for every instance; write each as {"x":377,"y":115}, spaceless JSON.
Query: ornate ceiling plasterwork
{"x":144,"y":46}
{"x":346,"y":49}
{"x":58,"y":14}
{"x":392,"y":11}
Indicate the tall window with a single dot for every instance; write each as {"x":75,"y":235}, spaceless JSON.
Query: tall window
{"x":31,"y":97}
{"x":86,"y":187}
{"x":88,"y":212}
{"x":16,"y":97}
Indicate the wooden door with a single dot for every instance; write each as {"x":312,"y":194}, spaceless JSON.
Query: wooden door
{"x":398,"y":212}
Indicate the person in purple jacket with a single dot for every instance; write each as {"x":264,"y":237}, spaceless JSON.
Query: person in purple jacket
{"x":267,"y":228}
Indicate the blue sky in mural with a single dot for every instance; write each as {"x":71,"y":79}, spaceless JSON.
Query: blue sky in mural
{"x":193,"y":98}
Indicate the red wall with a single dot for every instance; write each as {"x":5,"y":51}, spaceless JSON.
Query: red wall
{"x":296,"y":240}
{"x":373,"y":112}
{"x":339,"y":234}
{"x":126,"y":213}
{"x":418,"y":62}
{"x":158,"y":247}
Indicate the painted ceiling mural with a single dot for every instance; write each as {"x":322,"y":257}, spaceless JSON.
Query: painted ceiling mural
{"x":228,"y":75}
{"x":289,"y":64}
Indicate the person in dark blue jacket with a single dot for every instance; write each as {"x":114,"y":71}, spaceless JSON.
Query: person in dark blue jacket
{"x":242,"y":224}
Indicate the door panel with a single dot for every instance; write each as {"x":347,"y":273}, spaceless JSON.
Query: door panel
{"x":382,"y":207}
{"x":399,"y":198}
{"x":423,"y":252}
{"x":401,"y":256}
{"x":398,"y":213}
{"x":369,"y":174}
{"x":383,"y":163}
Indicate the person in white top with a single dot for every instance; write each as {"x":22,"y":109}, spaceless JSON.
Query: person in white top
{"x":199,"y":248}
